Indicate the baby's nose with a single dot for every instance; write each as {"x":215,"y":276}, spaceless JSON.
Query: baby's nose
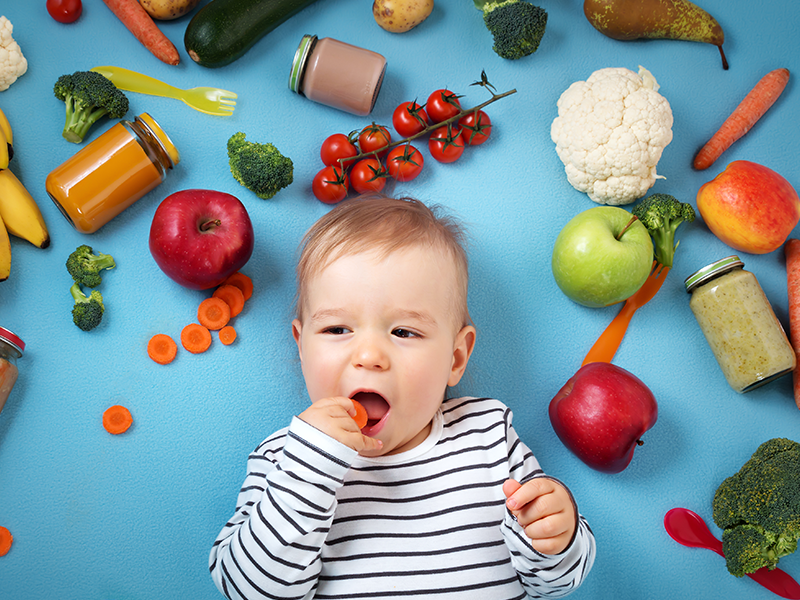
{"x":370,"y":354}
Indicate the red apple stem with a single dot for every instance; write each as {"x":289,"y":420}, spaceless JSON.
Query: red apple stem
{"x":639,"y":443}
{"x":624,"y":229}
{"x":210,"y":224}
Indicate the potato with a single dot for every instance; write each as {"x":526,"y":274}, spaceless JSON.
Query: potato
{"x":398,"y":16}
{"x":166,"y":10}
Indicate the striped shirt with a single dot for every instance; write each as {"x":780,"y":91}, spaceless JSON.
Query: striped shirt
{"x":315,"y":520}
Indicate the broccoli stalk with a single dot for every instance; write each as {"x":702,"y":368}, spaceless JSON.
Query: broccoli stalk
{"x":261,"y":168}
{"x":87,"y":311}
{"x":758,"y":508}
{"x":516,"y":25}
{"x":88,"y":96}
{"x":662,"y":214}
{"x":85,"y":266}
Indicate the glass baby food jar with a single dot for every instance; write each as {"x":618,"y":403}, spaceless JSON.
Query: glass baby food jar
{"x":337,"y":74}
{"x":739,"y":324}
{"x":112,"y":172}
{"x":11,"y":348}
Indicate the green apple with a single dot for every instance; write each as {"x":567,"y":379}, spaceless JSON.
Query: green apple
{"x":595,"y":268}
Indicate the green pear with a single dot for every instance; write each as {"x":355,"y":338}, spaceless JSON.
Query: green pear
{"x":655,"y":19}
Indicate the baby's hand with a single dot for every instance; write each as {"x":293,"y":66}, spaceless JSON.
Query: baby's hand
{"x":545,"y":511}
{"x":334,"y":416}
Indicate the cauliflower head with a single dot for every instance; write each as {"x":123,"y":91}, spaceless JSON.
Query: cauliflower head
{"x":12,"y":63}
{"x":610,"y":132}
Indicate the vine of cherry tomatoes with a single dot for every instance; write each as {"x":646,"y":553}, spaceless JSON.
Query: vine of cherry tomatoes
{"x":366,"y":158}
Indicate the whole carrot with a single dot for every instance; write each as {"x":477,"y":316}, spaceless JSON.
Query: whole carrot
{"x":141,"y":25}
{"x":744,"y":116}
{"x":792,"y":250}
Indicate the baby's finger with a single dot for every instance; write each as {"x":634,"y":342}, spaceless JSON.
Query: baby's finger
{"x":533,"y":492}
{"x":552,"y":526}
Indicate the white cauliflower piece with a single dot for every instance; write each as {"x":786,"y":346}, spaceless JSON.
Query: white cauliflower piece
{"x":12,"y":64}
{"x":610,"y":132}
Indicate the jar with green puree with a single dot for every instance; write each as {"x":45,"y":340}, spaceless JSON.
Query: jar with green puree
{"x":739,"y":324}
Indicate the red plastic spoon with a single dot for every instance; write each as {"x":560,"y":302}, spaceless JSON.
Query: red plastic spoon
{"x":688,"y":528}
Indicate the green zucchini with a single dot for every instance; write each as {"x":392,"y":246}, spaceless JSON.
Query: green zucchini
{"x":224,"y":30}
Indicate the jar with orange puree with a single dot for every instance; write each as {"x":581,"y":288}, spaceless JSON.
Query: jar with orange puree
{"x":112,"y":172}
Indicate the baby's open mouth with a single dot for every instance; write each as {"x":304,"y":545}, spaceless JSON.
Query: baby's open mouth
{"x":375,"y":405}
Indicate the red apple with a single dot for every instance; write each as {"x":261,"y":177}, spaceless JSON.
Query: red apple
{"x":749,"y":207}
{"x":601,"y":413}
{"x":200,"y":237}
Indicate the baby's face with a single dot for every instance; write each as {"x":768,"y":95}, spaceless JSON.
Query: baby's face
{"x":384,"y":332}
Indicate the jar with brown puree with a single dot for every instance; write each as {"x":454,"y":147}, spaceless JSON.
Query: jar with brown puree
{"x":739,"y":324}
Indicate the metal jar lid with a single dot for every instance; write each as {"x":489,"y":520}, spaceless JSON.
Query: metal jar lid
{"x":711,"y":271}
{"x":12,"y":340}
{"x":299,"y":62}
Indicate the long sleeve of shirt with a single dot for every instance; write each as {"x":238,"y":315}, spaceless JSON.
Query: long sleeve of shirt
{"x":315,"y":520}
{"x":551,"y":576}
{"x":271,"y":547}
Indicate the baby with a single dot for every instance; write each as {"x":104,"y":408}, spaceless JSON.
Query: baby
{"x":433,"y":497}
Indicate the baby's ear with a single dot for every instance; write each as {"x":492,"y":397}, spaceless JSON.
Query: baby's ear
{"x":297,"y":330}
{"x":462,"y":350}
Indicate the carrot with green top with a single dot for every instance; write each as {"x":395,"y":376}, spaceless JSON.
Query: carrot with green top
{"x":233,"y":297}
{"x":213,"y":313}
{"x":162,"y":348}
{"x":243,"y":282}
{"x":195,"y":338}
{"x":6,"y":539}
{"x":744,"y":116}
{"x":227,"y":335}
{"x":117,"y":419}
{"x":792,"y":251}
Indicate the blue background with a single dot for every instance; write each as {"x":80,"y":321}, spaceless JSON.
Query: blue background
{"x":96,"y":516}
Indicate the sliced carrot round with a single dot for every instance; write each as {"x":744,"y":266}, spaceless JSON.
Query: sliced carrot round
{"x":227,"y":335}
{"x":213,"y":313}
{"x":243,"y":282}
{"x":361,"y":414}
{"x":6,"y":539}
{"x":117,"y":419}
{"x":196,"y":338}
{"x":232,"y":296}
{"x":162,"y":348}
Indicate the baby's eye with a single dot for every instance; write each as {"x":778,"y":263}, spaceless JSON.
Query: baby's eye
{"x":336,"y":330}
{"x":404,"y":333}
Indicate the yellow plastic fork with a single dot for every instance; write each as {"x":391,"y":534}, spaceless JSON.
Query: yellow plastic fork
{"x":607,"y":344}
{"x":212,"y":101}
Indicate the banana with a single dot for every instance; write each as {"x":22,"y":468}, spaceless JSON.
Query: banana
{"x":8,"y":143}
{"x":4,"y":155}
{"x":5,"y":253}
{"x":19,"y":211}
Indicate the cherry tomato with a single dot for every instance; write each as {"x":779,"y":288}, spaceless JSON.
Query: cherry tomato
{"x":336,"y":146}
{"x":446,"y":144}
{"x":373,"y":137}
{"x":330,"y":185}
{"x":475,"y":129}
{"x":368,"y":175}
{"x":409,"y":119}
{"x":443,"y":104}
{"x":65,"y":11}
{"x":404,"y":162}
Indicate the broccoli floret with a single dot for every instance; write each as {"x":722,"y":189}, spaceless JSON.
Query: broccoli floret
{"x":88,"y":310}
{"x":662,"y":214}
{"x":261,"y":168}
{"x":517,"y":26}
{"x":758,"y":508}
{"x":85,"y":266}
{"x":88,"y":96}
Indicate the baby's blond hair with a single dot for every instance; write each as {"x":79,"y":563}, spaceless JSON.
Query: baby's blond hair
{"x":382,"y":224}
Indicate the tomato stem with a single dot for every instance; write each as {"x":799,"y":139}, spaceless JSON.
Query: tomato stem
{"x":428,"y":129}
